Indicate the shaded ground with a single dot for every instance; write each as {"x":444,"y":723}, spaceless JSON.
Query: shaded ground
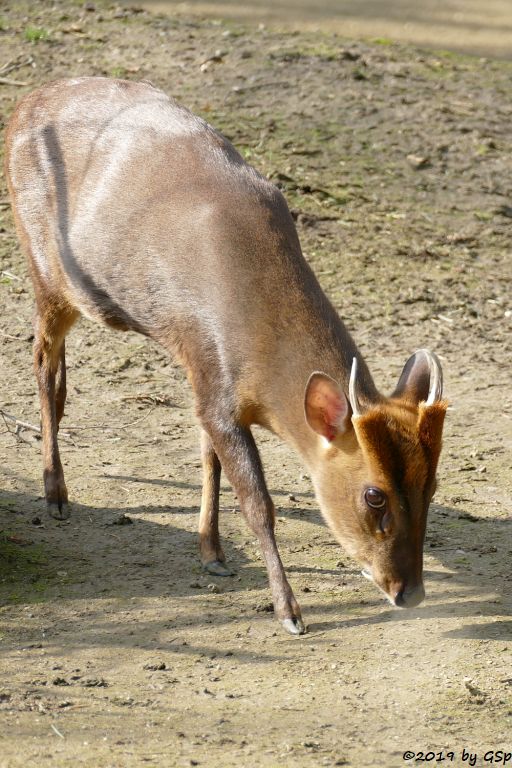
{"x":116,"y":650}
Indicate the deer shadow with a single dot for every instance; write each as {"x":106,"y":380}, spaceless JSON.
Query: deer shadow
{"x":100,"y":555}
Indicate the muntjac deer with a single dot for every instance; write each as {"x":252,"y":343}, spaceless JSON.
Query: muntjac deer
{"x":134,"y":212}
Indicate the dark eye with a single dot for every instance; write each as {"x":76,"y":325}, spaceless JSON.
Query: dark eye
{"x":375,"y":498}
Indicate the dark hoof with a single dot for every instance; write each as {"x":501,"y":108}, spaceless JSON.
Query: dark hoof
{"x":216,"y":568}
{"x":294,"y":626}
{"x":59,"y":510}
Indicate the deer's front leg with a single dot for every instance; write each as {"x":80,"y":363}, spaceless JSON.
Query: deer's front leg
{"x":236,"y":449}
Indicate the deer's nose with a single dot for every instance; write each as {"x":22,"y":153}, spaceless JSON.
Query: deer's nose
{"x":408,"y":597}
{"x":399,"y":598}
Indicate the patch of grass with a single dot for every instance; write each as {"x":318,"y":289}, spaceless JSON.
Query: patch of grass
{"x":382,"y":41}
{"x":484,"y":215}
{"x":90,"y":46}
{"x":323,"y":50}
{"x":35,"y":34}
{"x":451,"y":55}
{"x":118,"y":72}
{"x":246,"y":152}
{"x":24,"y":572}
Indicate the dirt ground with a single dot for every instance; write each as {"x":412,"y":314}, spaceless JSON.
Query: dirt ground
{"x":478,"y":27}
{"x":116,"y":650}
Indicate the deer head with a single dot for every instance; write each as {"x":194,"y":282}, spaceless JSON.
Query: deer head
{"x":375,"y":470}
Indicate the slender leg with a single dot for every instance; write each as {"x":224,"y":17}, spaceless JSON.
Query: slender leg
{"x":48,"y":353}
{"x":212,"y":555}
{"x":236,"y":449}
{"x":60,"y":396}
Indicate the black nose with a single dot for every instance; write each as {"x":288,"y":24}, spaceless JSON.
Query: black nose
{"x":409,"y":597}
{"x":400,"y":598}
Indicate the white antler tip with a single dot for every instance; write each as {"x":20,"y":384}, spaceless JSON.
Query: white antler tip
{"x":352,"y":392}
{"x":436,"y":378}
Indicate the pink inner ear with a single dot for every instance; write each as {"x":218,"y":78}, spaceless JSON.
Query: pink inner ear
{"x":326,"y":406}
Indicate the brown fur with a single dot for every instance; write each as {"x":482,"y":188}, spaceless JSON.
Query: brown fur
{"x":139,"y":215}
{"x":404,"y":440}
{"x":430,"y":430}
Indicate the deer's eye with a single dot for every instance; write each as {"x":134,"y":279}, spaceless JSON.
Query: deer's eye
{"x":375,"y":498}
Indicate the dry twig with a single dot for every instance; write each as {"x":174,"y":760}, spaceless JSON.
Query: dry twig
{"x":8,"y":81}
{"x":147,"y":398}
{"x":107,"y":427}
{"x":136,"y":421}
{"x":22,"y":424}
{"x":10,"y":275}
{"x":8,"y":336}
{"x":17,"y":63}
{"x":56,"y":730}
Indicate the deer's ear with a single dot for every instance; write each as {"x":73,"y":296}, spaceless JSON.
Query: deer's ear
{"x":421,"y":378}
{"x":326,"y":407}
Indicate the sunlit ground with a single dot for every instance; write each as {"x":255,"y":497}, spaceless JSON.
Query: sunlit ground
{"x":472,"y":26}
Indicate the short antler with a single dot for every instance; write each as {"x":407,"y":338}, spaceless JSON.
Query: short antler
{"x":357,"y":409}
{"x":436,"y":378}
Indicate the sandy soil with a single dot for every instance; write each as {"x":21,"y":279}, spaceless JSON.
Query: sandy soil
{"x":469,"y":26}
{"x":116,"y":649}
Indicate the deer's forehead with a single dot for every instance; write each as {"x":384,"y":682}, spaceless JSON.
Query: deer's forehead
{"x":393,"y":450}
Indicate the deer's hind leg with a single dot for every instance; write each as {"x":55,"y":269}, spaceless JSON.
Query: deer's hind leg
{"x":60,"y":392}
{"x":53,"y":320}
{"x":212,"y":555}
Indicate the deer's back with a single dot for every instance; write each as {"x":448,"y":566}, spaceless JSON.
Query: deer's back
{"x":126,"y":196}
{"x":141,"y":215}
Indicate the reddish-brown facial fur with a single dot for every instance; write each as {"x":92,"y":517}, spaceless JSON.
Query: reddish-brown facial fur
{"x":403,"y":463}
{"x":138,"y":214}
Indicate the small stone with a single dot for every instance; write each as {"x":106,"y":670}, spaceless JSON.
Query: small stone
{"x":418,"y":161}
{"x":121,"y":520}
{"x":505,"y":210}
{"x":359,"y":74}
{"x":473,"y":690}
{"x":264,"y":608}
{"x":349,"y":55}
{"x":95,"y":682}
